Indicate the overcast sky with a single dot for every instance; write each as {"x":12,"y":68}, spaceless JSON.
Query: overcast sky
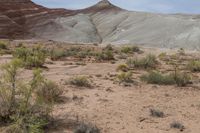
{"x":161,"y":6}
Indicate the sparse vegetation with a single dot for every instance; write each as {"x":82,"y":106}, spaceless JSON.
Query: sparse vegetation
{"x":57,"y":54}
{"x":156,"y":113}
{"x":34,"y":57}
{"x":80,"y":81}
{"x":162,"y":56}
{"x":181,"y":51}
{"x":86,"y":128}
{"x":28,"y":107}
{"x":4,"y":49}
{"x":155,"y":77}
{"x":109,"y":47}
{"x":177,"y":125}
{"x":123,"y":68}
{"x":48,"y":90}
{"x":194,"y":66}
{"x":147,"y":62}
{"x":21,"y":108}
{"x":105,"y":55}
{"x":179,"y":78}
{"x":3,"y":45}
{"x":125,"y":77}
{"x":77,"y":52}
{"x":130,"y":49}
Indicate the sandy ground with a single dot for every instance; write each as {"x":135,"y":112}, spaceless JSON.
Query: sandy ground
{"x":118,"y":109}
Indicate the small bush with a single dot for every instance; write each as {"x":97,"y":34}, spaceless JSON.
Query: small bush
{"x":108,"y":47}
{"x":3,"y":45}
{"x":130,"y":62}
{"x":78,"y":52}
{"x":84,"y":54}
{"x":126,"y":50}
{"x":80,"y":81}
{"x":83,"y":128}
{"x":179,"y":78}
{"x":4,"y":48}
{"x":182,"y":79}
{"x":23,"y":110}
{"x":194,"y":66}
{"x":177,"y":125}
{"x":156,"y":113}
{"x":130,"y":49}
{"x":181,"y":51}
{"x":34,"y":57}
{"x":147,"y":62}
{"x":123,"y":68}
{"x":105,"y":55}
{"x":155,"y":77}
{"x":49,"y":91}
{"x":162,"y":56}
{"x":125,"y":77}
{"x":57,"y":54}
{"x":136,"y":49}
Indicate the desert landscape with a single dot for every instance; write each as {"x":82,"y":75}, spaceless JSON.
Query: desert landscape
{"x":105,"y":87}
{"x":102,"y":69}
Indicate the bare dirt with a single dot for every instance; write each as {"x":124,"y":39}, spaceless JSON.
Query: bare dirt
{"x":115,"y":108}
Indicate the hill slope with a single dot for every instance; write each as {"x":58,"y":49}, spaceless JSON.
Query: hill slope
{"x":101,"y":23}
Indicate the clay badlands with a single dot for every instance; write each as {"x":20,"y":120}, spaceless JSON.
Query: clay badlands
{"x":102,"y":69}
{"x":101,"y":23}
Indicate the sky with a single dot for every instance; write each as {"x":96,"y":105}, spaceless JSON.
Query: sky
{"x":158,"y":6}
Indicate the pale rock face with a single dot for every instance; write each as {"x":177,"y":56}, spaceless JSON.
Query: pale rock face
{"x":101,"y":23}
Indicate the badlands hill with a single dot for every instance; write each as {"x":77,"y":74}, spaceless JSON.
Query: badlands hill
{"x":101,"y":23}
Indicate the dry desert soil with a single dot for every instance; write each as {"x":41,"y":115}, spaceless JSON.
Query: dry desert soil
{"x":121,"y":108}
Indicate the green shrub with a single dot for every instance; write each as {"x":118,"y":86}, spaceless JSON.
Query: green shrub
{"x":75,"y":49}
{"x":147,"y":62}
{"x":126,"y":50}
{"x":125,"y":77}
{"x":123,"y":68}
{"x":84,"y":53}
{"x":34,"y":57}
{"x":182,"y":79}
{"x":105,"y":55}
{"x":3,"y":45}
{"x":130,"y":49}
{"x":57,"y":54}
{"x":162,"y":56}
{"x":130,"y":62}
{"x":23,"y":110}
{"x":80,"y":81}
{"x":194,"y":66}
{"x":49,"y":91}
{"x":155,"y":77}
{"x":4,"y":48}
{"x":179,"y":78}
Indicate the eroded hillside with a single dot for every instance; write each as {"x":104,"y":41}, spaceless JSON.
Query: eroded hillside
{"x":101,"y":23}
